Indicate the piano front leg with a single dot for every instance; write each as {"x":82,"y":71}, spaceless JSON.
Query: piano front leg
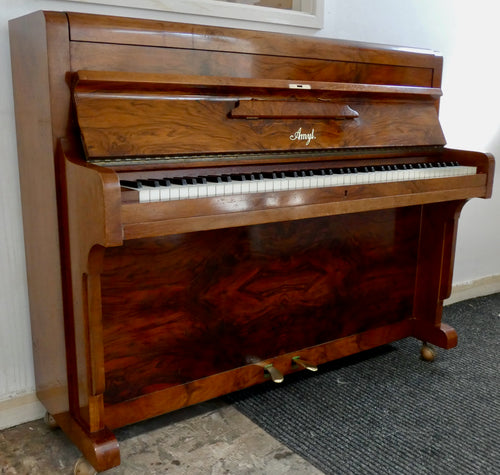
{"x":90,"y":213}
{"x":438,"y":231}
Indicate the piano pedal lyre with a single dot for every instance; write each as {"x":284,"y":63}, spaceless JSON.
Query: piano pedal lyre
{"x":298,"y":361}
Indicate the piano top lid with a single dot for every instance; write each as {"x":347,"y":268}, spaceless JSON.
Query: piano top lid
{"x":124,"y":115}
{"x":114,"y":43}
{"x":86,"y":27}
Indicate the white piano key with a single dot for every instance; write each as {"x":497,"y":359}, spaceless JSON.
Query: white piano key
{"x":175,"y":192}
{"x":245,"y":187}
{"x":154,"y":193}
{"x":164,"y":193}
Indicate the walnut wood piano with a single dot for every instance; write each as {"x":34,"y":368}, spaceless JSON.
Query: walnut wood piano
{"x":206,"y":209}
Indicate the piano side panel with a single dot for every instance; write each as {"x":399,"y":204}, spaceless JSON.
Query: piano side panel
{"x":178,"y":308}
{"x":111,"y":57}
{"x":39,"y":66}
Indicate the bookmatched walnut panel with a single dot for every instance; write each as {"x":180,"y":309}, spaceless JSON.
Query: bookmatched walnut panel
{"x":179,"y":308}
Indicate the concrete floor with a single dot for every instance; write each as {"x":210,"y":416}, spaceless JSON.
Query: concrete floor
{"x":210,"y":438}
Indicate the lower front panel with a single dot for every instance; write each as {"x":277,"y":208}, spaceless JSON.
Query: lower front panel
{"x":179,"y":308}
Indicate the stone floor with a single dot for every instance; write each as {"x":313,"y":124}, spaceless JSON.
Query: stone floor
{"x":210,"y":438}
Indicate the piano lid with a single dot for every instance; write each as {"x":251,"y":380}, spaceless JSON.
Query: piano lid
{"x":124,"y":115}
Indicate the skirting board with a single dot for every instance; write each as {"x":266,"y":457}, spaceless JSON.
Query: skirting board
{"x":27,"y":408}
{"x":19,"y":410}
{"x":477,"y":288}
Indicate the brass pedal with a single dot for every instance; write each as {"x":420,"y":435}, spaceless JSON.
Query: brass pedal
{"x":276,"y":375}
{"x":305,"y":364}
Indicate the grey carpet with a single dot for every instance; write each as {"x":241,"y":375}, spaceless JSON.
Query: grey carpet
{"x":386,"y":411}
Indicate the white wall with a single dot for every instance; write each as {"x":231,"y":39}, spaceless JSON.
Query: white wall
{"x":463,"y":31}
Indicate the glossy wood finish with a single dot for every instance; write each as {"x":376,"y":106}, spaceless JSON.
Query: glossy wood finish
{"x":132,"y":123}
{"x":257,"y":291}
{"x":139,"y":309}
{"x":196,"y":49}
{"x":40,"y":119}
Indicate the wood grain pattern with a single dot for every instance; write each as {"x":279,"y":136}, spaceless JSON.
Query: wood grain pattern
{"x":226,"y":64}
{"x":40,"y":118}
{"x":254,"y":109}
{"x":176,"y":397}
{"x":149,"y":125}
{"x":95,"y":81}
{"x":258,"y":292}
{"x":163,"y":218}
{"x":128,"y":31}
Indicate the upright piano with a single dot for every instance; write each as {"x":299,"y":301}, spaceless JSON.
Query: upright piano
{"x":206,"y":209}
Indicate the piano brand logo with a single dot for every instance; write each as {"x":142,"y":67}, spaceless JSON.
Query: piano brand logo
{"x":300,"y":136}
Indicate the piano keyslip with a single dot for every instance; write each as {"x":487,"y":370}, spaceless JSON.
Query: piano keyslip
{"x":180,"y":188}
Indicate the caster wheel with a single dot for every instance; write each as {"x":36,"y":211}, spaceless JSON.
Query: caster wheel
{"x":427,"y":353}
{"x":50,"y":421}
{"x":83,"y":467}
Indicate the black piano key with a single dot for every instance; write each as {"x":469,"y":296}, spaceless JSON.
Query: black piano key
{"x":179,"y":181}
{"x":149,"y":182}
{"x":131,"y":184}
{"x":214,"y":179}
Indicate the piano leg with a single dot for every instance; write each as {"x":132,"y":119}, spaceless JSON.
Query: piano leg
{"x":438,"y":230}
{"x":100,"y":449}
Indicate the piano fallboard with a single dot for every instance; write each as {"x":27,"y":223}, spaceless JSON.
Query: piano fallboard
{"x":154,"y":115}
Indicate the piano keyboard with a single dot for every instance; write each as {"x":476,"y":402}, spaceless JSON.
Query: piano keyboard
{"x":185,"y":188}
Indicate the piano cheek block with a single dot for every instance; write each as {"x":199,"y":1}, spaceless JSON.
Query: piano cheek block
{"x":179,"y":236}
